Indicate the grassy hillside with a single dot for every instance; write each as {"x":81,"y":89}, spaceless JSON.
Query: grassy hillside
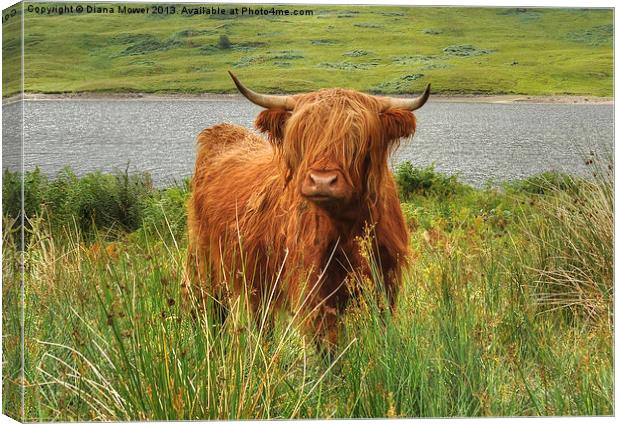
{"x":506,"y":309}
{"x":377,"y":49}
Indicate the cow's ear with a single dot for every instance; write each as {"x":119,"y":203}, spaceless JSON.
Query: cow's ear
{"x":272,"y":122}
{"x":397,"y":123}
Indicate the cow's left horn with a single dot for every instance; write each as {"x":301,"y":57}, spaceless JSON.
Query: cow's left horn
{"x":267,"y":101}
{"x":408,"y":104}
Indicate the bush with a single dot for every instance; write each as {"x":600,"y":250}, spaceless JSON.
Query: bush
{"x":97,"y":200}
{"x":465,"y":50}
{"x":165,"y":214}
{"x":543,"y":183}
{"x":106,"y":201}
{"x":147,"y":44}
{"x":424,"y":181}
{"x":224,"y":42}
{"x":11,"y":194}
{"x":35,"y":186}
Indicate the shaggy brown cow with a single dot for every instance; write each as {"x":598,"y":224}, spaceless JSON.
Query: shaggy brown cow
{"x":283,"y":219}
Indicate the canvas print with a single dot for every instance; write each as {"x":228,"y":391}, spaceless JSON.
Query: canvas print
{"x":259,"y":211}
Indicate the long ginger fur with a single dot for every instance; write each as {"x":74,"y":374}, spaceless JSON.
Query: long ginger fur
{"x":249,"y":224}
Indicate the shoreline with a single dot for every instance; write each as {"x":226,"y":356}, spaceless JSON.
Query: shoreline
{"x":440,"y":98}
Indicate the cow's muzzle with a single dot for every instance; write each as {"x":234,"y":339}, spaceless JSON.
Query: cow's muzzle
{"x":325,"y":187}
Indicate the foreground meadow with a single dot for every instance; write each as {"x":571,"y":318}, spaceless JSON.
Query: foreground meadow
{"x":506,"y":310}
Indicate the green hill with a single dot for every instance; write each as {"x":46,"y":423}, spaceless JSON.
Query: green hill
{"x":376,"y":49}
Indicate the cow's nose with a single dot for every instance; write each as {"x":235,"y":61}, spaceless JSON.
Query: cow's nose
{"x":322,"y":186}
{"x":323,"y":181}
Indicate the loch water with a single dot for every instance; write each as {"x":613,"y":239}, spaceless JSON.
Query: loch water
{"x":480,"y":142}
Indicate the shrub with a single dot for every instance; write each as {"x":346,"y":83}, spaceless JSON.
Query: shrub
{"x":424,"y":181}
{"x":465,"y":50}
{"x":35,"y":188}
{"x":147,"y":44}
{"x":543,"y":183}
{"x":356,"y":53}
{"x":96,"y":200}
{"x":165,"y":213}
{"x":11,"y":194}
{"x":224,"y":42}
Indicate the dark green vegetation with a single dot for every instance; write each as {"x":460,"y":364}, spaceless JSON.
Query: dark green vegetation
{"x":117,"y":203}
{"x":378,"y":49}
{"x":506,"y":310}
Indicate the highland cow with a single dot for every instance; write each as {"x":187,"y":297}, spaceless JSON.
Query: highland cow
{"x":282,"y":219}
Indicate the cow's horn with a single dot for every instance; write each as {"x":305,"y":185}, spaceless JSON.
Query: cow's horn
{"x":408,"y":104}
{"x":267,"y":101}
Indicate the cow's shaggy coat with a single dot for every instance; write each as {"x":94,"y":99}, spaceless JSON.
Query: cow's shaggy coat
{"x":251,"y":229}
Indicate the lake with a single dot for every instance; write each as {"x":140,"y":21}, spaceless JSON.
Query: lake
{"x":480,"y":142}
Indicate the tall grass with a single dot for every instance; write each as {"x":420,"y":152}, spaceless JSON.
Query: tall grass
{"x":476,"y":330}
{"x":574,"y":238}
{"x":133,"y":348}
{"x":12,"y":308}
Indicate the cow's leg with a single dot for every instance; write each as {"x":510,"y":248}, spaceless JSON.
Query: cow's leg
{"x":392,"y":241}
{"x":322,"y":311}
{"x":325,"y":329}
{"x":199,"y":287}
{"x":260,"y":310}
{"x":194,"y":275}
{"x":264,"y":322}
{"x":391,"y":270}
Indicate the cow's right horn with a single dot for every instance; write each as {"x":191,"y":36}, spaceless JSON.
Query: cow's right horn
{"x":408,"y":104}
{"x":267,"y":101}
